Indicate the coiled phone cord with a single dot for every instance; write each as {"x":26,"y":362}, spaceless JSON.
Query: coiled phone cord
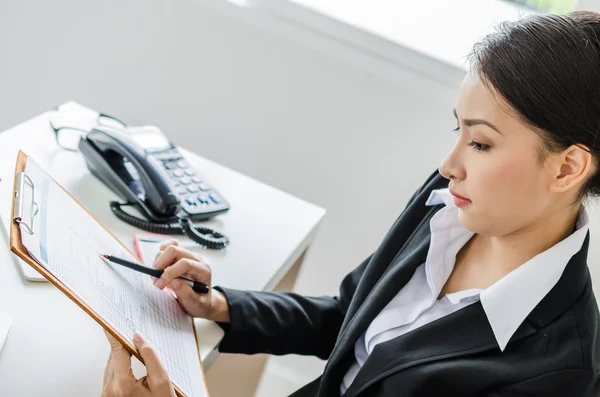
{"x":205,"y":236}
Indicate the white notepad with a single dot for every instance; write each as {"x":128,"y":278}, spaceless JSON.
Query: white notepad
{"x":67,"y":241}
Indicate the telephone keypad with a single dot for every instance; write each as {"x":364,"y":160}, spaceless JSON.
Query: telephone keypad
{"x":187,"y":184}
{"x":182,"y":164}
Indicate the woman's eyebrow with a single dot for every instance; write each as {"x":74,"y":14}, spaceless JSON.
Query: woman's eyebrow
{"x":472,"y":122}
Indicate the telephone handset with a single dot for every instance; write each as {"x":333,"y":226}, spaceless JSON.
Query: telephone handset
{"x":147,"y":171}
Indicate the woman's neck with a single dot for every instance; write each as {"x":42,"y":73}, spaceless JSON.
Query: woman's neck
{"x":503,"y":254}
{"x":485,"y":260}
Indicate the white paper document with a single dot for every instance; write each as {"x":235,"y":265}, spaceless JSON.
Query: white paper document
{"x":68,"y":242}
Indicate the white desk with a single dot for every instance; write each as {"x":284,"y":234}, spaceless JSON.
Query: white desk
{"x":54,"y":348}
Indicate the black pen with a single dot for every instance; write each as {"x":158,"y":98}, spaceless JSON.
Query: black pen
{"x":196,"y":285}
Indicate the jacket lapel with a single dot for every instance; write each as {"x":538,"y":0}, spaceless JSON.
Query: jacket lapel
{"x":467,"y":331}
{"x":387,"y":254}
{"x":464,"y":332}
{"x":393,"y":280}
{"x":415,"y":218}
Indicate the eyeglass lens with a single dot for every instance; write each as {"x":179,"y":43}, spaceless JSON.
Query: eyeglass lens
{"x":68,"y":138}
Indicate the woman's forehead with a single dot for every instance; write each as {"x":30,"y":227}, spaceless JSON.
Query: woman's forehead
{"x":478,"y":99}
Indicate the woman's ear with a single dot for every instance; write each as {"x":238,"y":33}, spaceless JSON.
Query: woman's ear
{"x":571,"y":167}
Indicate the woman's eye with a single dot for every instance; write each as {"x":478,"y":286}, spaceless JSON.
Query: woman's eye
{"x":479,"y":146}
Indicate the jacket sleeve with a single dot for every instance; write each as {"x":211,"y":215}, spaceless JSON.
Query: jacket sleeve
{"x":567,"y":382}
{"x":287,"y":323}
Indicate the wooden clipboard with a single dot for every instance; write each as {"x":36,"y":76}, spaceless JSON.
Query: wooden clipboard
{"x":17,"y":247}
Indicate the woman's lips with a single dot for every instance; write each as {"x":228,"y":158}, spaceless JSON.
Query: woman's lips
{"x":459,"y":200}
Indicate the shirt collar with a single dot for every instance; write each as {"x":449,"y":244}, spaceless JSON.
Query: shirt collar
{"x":510,"y":300}
{"x":441,"y":196}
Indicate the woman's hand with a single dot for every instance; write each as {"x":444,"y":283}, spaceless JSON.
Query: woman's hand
{"x":118,"y":377}
{"x":178,"y":262}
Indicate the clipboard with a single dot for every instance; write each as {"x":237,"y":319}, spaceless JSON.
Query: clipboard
{"x":23,"y":216}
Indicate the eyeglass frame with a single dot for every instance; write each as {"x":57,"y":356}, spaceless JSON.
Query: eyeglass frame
{"x":101,"y":115}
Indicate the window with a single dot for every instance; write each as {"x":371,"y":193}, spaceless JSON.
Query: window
{"x":555,"y":6}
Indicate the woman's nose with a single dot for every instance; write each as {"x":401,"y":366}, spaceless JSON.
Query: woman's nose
{"x":450,"y":167}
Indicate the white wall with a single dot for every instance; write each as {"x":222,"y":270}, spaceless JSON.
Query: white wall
{"x":588,"y":5}
{"x":288,"y":114}
{"x":352,"y":134}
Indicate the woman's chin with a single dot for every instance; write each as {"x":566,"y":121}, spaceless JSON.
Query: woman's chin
{"x":469,"y":220}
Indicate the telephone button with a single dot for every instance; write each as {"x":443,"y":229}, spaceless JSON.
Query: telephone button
{"x":189,"y":172}
{"x":182,"y":164}
{"x":214,"y":199}
{"x":172,"y":154}
{"x":190,"y":202}
{"x":203,"y":186}
{"x":202,"y":199}
{"x":185,"y":180}
{"x":170,"y":165}
{"x":193,"y":188}
{"x":178,"y":173}
{"x":197,"y":179}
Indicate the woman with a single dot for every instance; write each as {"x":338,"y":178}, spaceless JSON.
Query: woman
{"x":481,"y":286}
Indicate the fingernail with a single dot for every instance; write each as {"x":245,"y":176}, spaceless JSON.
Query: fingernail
{"x":154,"y":279}
{"x":160,"y":283}
{"x":138,"y":338}
{"x":175,"y":284}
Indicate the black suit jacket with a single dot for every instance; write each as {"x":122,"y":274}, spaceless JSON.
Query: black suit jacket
{"x":554,"y":353}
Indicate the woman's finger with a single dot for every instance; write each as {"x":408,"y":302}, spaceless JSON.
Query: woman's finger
{"x":186,"y":296}
{"x":172,"y":254}
{"x":107,"y":370}
{"x":143,"y":381}
{"x":157,"y":377}
{"x":186,"y":268}
{"x":166,"y":243}
{"x":158,"y":254}
{"x":120,"y":362}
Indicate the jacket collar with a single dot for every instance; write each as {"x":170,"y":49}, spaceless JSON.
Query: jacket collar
{"x":406,"y":245}
{"x":464,"y":332}
{"x":467,"y":331}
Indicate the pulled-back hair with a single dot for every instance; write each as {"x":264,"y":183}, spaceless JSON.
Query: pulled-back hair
{"x":547,"y":68}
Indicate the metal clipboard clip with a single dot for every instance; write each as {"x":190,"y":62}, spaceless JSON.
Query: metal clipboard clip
{"x":22,"y":181}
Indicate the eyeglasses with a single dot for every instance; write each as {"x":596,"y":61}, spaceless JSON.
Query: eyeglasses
{"x":68,"y":136}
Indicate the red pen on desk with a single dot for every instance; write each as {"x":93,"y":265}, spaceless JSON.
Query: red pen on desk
{"x":196,"y":285}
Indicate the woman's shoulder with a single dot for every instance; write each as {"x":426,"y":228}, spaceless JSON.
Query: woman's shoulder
{"x":572,"y":339}
{"x":585,"y":318}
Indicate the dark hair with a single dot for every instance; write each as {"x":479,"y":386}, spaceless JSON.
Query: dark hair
{"x":547,"y":68}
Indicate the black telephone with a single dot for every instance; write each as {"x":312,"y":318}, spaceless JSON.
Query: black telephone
{"x":147,"y":171}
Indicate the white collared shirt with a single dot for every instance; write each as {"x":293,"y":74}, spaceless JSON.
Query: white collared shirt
{"x":506,"y":303}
